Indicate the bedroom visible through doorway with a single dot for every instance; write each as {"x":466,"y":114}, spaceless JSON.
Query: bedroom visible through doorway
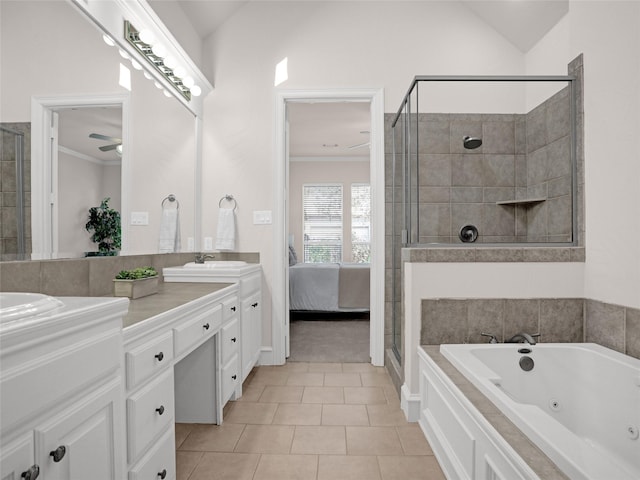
{"x":329,"y":231}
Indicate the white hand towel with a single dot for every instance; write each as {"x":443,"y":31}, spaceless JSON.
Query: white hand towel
{"x":226,"y":237}
{"x":169,"y":231}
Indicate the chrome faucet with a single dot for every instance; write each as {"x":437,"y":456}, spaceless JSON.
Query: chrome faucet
{"x":492,"y":337}
{"x":523,"y":337}
{"x":201,"y":257}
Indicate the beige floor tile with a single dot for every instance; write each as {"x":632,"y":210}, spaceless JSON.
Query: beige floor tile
{"x":212,"y":438}
{"x":386,"y":415}
{"x":319,"y":440}
{"x":323,"y":395}
{"x":265,"y":439}
{"x":375,"y":380}
{"x":342,"y":380}
{"x":182,"y":431}
{"x":364,"y":395}
{"x":325,"y":367}
{"x":351,"y":467}
{"x":269,"y":377}
{"x":344,"y":415}
{"x":413,"y":440}
{"x":392,"y":396}
{"x":298,"y":414}
{"x":287,"y":467}
{"x":251,"y":392}
{"x":278,"y":394}
{"x":373,"y":441}
{"x":186,"y":462}
{"x":288,"y":367}
{"x":226,"y":466}
{"x":252,"y":413}
{"x":306,"y":379}
{"x":358,"y":368}
{"x":405,"y":467}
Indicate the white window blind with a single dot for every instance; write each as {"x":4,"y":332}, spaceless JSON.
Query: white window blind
{"x":322,"y":223}
{"x":361,"y":222}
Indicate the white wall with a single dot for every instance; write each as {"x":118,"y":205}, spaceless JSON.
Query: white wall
{"x":329,"y":45}
{"x":343,"y":172}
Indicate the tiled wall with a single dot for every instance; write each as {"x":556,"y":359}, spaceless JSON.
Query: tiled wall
{"x":557,"y":320}
{"x":88,"y":276}
{"x":8,"y":190}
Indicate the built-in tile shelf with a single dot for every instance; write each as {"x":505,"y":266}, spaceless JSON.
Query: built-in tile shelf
{"x":524,"y":202}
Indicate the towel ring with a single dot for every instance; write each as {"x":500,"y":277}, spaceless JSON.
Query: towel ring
{"x":171,"y":198}
{"x":228,"y":198}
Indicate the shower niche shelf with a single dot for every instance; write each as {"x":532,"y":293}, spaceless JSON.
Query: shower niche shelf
{"x":524,"y":202}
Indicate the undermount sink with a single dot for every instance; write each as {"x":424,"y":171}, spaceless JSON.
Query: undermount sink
{"x":16,"y":306}
{"x":217,"y":264}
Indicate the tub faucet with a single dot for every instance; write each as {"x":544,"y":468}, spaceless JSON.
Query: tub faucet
{"x":523,"y":337}
{"x":201,"y":257}
{"x":492,"y":337}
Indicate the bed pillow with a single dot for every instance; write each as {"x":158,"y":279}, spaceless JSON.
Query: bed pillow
{"x":293,"y":258}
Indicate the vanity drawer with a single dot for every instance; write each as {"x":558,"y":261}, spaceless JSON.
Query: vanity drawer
{"x":191,"y":331}
{"x":229,"y":339}
{"x":161,"y":458}
{"x":149,"y":411}
{"x":230,"y":378}
{"x":149,"y":358}
{"x":230,"y":308}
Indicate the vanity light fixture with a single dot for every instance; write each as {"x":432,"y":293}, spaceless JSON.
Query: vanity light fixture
{"x":155,"y":56}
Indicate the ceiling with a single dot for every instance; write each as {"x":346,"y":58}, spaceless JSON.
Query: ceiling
{"x":75,"y":125}
{"x":207,"y":15}
{"x":328,"y":129}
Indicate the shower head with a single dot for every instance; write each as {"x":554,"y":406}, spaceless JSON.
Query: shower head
{"x":471,"y":142}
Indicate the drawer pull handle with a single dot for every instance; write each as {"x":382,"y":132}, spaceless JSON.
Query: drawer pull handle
{"x":160,"y":410}
{"x":163,"y":473}
{"x":58,"y":453}
{"x":234,"y":339}
{"x":234,"y":376}
{"x":160,"y":356}
{"x":233,"y":309}
{"x":254,"y":305}
{"x":32,"y":473}
{"x":206,"y":326}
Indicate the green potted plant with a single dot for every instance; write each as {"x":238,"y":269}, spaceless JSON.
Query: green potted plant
{"x":136,"y":283}
{"x":104,"y":222}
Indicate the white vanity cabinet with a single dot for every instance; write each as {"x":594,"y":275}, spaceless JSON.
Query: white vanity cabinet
{"x":61,"y":390}
{"x":230,"y":372}
{"x":251,"y":292}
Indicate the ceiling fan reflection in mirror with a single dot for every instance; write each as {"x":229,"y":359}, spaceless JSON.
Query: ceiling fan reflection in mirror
{"x":360,"y":145}
{"x":116,"y":145}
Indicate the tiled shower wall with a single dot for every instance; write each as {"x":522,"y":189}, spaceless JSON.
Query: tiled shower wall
{"x":8,"y":191}
{"x":557,"y":320}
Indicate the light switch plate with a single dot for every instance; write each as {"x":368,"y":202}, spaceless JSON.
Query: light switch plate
{"x":139,"y":218}
{"x":190,"y":244}
{"x":262,"y":217}
{"x":208,"y":243}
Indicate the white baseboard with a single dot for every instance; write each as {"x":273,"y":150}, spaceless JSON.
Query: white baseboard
{"x":410,"y":404}
{"x":266,"y":356}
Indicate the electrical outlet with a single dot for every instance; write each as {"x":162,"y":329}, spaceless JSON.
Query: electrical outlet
{"x":208,"y":243}
{"x":190,"y":244}
{"x":139,"y":218}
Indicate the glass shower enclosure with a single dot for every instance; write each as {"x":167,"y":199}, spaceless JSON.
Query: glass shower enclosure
{"x":481,"y":161}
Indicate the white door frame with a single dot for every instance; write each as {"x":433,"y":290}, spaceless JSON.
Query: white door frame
{"x":280,"y":304}
{"x":43,"y":178}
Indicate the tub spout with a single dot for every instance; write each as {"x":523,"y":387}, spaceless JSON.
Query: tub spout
{"x":523,"y":337}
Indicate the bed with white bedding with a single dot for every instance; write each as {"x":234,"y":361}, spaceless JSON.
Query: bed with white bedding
{"x":329,"y":287}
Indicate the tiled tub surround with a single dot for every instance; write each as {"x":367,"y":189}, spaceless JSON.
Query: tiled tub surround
{"x":8,"y":190}
{"x":89,"y":276}
{"x":561,"y":320}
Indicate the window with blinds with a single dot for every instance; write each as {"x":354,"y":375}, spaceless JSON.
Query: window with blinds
{"x":361,"y":222}
{"x":322,"y":223}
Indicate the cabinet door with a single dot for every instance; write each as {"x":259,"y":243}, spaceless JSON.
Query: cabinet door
{"x":251,"y":333}
{"x":17,"y":459}
{"x":85,"y":440}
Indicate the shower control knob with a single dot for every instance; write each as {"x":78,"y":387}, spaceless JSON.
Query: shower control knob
{"x":468,"y":234}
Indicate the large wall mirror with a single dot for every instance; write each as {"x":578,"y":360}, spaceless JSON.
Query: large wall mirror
{"x":53,"y":57}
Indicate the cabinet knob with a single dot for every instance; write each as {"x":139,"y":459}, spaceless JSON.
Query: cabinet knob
{"x":254,"y":305}
{"x":234,"y":339}
{"x":160,"y":356}
{"x":206,"y":326}
{"x":234,"y":376}
{"x":233,"y":309}
{"x":163,"y":473}
{"x":58,"y":453}
{"x":32,"y":473}
{"x":160,"y":410}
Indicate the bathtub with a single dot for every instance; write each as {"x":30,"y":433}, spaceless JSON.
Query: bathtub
{"x":580,"y":403}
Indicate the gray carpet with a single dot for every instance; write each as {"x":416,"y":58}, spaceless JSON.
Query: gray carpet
{"x":339,"y":341}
